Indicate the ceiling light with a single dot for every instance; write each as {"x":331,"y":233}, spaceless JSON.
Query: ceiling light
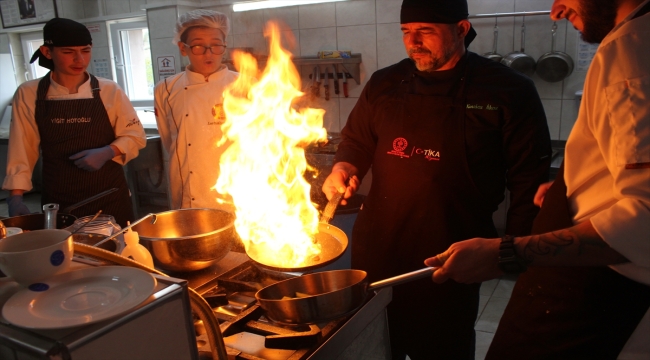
{"x":266,"y":4}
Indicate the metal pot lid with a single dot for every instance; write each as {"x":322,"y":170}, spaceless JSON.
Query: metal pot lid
{"x":333,"y":243}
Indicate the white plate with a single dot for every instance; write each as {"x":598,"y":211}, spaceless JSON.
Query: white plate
{"x":80,"y":297}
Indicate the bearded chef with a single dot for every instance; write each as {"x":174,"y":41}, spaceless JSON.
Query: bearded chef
{"x":445,"y":130}
{"x":85,"y":127}
{"x":189,"y":109}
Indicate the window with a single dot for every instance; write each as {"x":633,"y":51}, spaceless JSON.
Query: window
{"x":134,"y":72}
{"x":31,"y":42}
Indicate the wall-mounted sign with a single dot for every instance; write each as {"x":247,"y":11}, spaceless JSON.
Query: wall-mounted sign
{"x":26,"y":12}
{"x":166,"y":66}
{"x":102,"y":68}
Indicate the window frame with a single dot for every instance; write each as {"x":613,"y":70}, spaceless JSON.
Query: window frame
{"x":118,"y":56}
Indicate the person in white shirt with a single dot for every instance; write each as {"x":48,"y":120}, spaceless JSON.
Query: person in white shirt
{"x":85,"y":127}
{"x":586,"y":292}
{"x":189,"y":110}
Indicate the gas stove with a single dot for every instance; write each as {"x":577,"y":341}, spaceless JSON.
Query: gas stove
{"x":229,"y":286}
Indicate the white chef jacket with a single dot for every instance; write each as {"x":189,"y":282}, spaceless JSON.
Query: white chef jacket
{"x":607,"y":160}
{"x":189,"y":114}
{"x":24,"y":139}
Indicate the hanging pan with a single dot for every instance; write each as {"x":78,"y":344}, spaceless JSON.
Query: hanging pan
{"x":518,"y":60}
{"x":494,"y":55}
{"x":324,"y":296}
{"x":554,"y":66}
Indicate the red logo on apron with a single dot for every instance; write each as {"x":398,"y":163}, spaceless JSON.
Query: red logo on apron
{"x":399,"y":144}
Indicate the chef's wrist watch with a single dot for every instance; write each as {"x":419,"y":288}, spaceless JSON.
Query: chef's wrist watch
{"x":509,"y":261}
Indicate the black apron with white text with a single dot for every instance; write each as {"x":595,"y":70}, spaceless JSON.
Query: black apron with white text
{"x":422,"y":200}
{"x":568,"y":313}
{"x":67,"y":127}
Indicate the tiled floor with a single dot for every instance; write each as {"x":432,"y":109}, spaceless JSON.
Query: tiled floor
{"x":494,"y":293}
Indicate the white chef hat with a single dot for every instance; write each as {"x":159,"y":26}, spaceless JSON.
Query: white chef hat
{"x":201,"y":18}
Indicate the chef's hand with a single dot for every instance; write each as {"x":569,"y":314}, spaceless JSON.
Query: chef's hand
{"x":16,"y":206}
{"x":470,"y":261}
{"x":93,"y":159}
{"x":342,"y":179}
{"x":541,"y":193}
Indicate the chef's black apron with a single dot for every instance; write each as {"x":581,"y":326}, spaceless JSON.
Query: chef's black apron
{"x":568,"y":312}
{"x":422,"y":200}
{"x":67,"y":127}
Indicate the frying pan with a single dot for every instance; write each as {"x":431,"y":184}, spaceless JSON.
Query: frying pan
{"x":494,"y":55}
{"x":36,"y":221}
{"x":333,"y":243}
{"x":323,"y":296}
{"x":554,"y":66}
{"x":518,"y":60}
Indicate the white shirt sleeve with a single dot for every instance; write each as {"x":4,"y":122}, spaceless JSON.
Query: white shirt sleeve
{"x":24,"y":140}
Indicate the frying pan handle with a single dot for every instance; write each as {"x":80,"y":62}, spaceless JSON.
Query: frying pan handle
{"x":404,"y":278}
{"x":523,"y":33}
{"x":554,"y":32}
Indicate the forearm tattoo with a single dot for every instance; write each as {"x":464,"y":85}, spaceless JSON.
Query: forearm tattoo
{"x":571,"y":243}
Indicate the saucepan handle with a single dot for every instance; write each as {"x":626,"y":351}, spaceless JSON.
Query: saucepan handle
{"x":404,"y":278}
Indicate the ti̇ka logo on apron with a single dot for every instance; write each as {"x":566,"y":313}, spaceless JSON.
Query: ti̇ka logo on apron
{"x":400,"y":144}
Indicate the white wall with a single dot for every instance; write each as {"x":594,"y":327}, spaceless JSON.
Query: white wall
{"x":368,"y":27}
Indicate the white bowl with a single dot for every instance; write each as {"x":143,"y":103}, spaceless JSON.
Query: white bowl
{"x":36,"y":255}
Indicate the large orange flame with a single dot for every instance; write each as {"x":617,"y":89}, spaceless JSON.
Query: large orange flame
{"x":262,"y":170}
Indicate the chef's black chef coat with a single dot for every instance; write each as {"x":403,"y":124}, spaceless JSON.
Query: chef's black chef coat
{"x":443,"y":147}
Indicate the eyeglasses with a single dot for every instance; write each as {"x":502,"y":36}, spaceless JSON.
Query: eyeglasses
{"x":200,"y":49}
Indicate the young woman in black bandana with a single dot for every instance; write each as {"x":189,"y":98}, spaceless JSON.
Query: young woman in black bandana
{"x":85,"y":127}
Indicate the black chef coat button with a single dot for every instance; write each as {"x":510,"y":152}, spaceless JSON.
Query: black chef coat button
{"x":187,"y":114}
{"x":189,"y":144}
{"x":192,"y":199}
{"x":191,"y":172}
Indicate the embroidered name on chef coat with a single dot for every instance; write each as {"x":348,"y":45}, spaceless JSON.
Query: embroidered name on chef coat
{"x":218,"y":114}
{"x":482,"y":107}
{"x":76,"y":120}
{"x":400,"y":144}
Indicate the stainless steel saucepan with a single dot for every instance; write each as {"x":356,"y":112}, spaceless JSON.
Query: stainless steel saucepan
{"x":519,"y":60}
{"x":493,"y":55}
{"x":554,"y":66}
{"x":324,"y":296}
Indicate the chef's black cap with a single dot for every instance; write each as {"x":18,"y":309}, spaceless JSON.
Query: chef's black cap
{"x":436,"y":11}
{"x":61,"y":32}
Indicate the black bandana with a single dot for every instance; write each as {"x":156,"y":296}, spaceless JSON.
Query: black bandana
{"x":436,"y":12}
{"x":61,"y":32}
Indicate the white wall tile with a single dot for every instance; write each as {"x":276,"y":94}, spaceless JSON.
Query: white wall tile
{"x":553,"y":110}
{"x":346,"y":106}
{"x":317,"y":16}
{"x":137,"y":5}
{"x":114,"y":7}
{"x":290,"y":41}
{"x":247,"y":22}
{"x":256,"y":42}
{"x":91,"y":8}
{"x":71,"y":9}
{"x":390,"y":47}
{"x":161,"y":22}
{"x":331,"y":120}
{"x":388,"y":11}
{"x":288,"y":16}
{"x":360,"y":39}
{"x":569,"y":115}
{"x":314,"y":40}
{"x":360,"y":12}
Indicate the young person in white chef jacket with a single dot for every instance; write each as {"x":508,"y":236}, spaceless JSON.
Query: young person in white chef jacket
{"x":189,"y":109}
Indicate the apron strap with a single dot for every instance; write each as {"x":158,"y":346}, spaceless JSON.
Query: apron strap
{"x":43,"y":86}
